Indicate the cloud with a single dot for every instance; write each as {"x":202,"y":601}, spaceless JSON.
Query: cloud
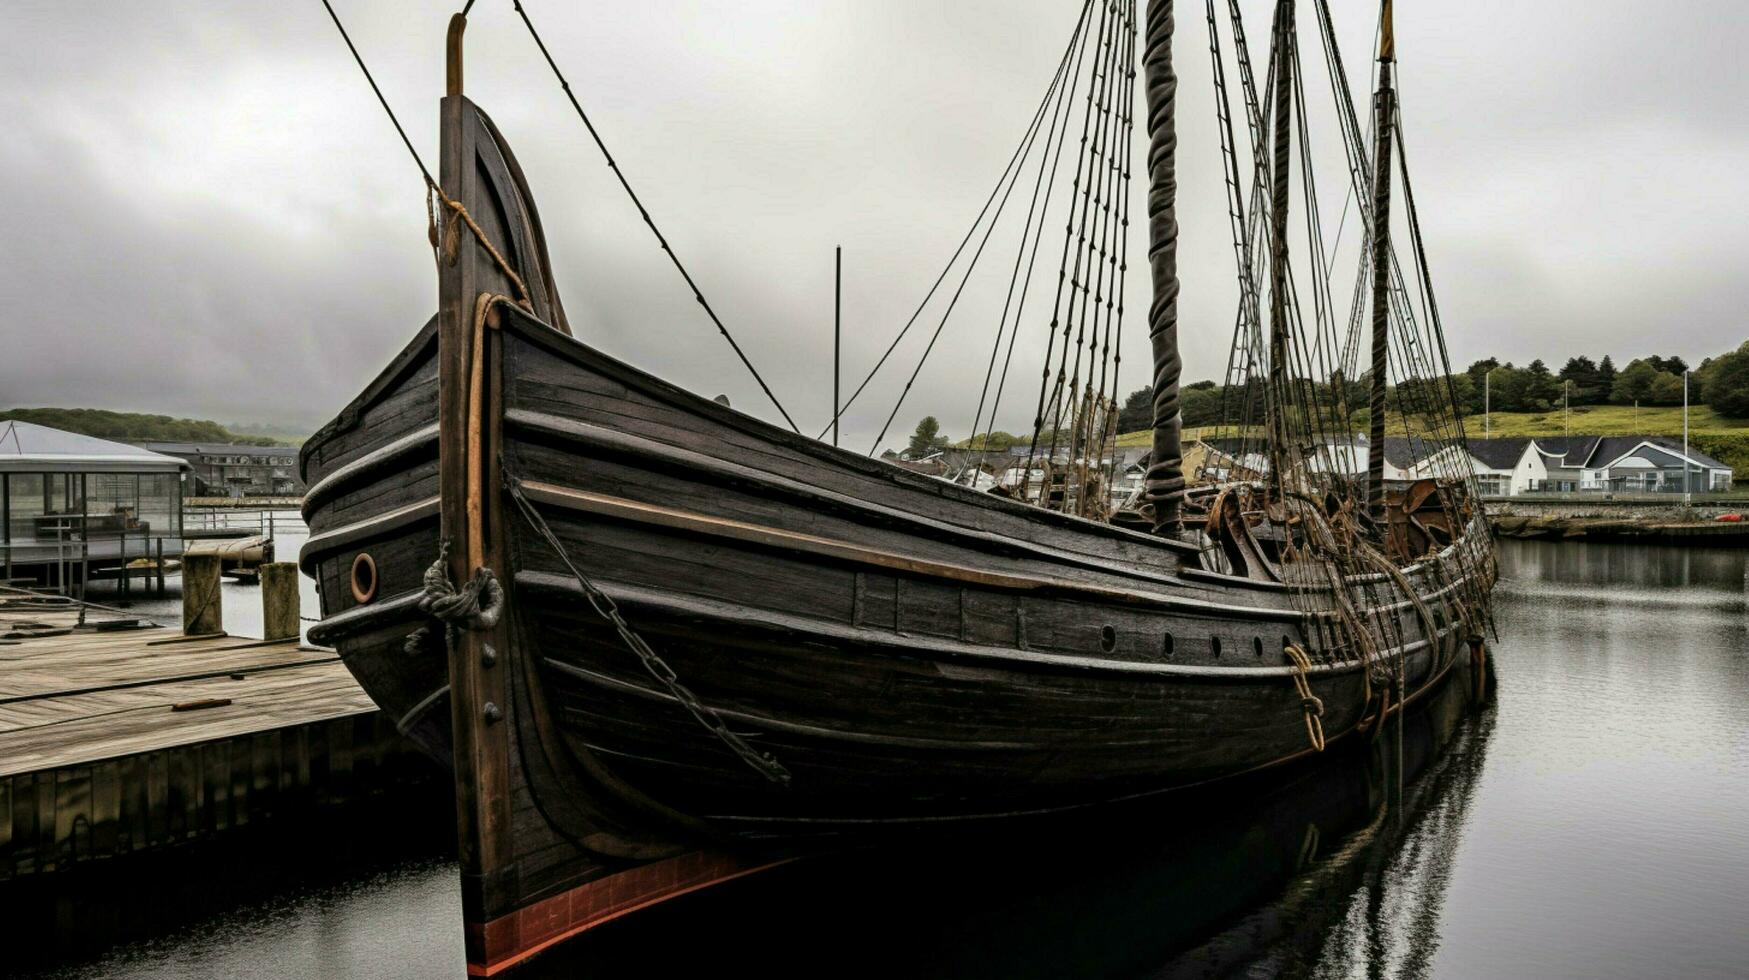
{"x":212,"y":217}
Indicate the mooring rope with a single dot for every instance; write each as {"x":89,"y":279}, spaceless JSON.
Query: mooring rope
{"x":761,"y":762}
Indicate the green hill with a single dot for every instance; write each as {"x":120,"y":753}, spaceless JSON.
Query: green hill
{"x":1609,"y":420}
{"x":136,"y":427}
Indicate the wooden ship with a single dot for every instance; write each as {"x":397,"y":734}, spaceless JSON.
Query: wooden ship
{"x":663,"y":643}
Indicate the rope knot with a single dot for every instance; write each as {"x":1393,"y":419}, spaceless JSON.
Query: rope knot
{"x":477,"y":605}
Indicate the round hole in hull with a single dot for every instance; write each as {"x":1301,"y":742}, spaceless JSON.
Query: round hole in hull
{"x":364,"y":578}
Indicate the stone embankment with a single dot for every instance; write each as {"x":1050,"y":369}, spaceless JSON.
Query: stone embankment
{"x":1620,"y":520}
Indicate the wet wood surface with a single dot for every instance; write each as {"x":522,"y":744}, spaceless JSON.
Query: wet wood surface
{"x":119,"y":735}
{"x":74,"y":697}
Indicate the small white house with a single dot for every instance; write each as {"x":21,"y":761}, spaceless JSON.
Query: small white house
{"x":1505,"y":467}
{"x":1644,"y":465}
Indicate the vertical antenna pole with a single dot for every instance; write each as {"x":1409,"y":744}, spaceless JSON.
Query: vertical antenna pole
{"x":1384,"y":109}
{"x":1687,"y":498}
{"x":837,"y":330}
{"x":1164,"y":484}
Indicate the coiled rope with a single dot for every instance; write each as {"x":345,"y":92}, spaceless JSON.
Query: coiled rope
{"x":1311,"y":706}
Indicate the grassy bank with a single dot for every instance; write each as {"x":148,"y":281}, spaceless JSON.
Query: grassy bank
{"x":1611,"y":420}
{"x":1724,"y":439}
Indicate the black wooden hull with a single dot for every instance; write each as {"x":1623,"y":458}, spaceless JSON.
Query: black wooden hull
{"x":814,"y":644}
{"x":908,"y":650}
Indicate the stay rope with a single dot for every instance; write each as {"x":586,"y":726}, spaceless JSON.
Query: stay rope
{"x":649,"y":221}
{"x":435,"y":193}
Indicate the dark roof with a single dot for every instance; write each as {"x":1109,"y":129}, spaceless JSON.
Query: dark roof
{"x":1616,"y":447}
{"x":1611,"y":448}
{"x":1404,"y":452}
{"x":1498,"y":454}
{"x":1598,"y":451}
{"x":216,"y":449}
{"x":1570,"y":450}
{"x":1693,"y":453}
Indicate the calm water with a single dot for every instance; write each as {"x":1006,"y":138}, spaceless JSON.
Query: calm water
{"x":1594,"y":822}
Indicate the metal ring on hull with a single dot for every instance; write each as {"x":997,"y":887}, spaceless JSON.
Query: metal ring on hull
{"x":364,"y":578}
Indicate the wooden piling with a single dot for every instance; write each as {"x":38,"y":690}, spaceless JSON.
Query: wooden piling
{"x":202,"y":609}
{"x":279,"y":600}
{"x":158,"y":565}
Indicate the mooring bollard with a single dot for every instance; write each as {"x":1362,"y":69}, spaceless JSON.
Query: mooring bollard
{"x":279,"y":600}
{"x":202,"y":609}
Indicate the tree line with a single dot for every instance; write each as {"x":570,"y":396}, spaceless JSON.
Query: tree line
{"x":135,"y":426}
{"x":1721,"y":383}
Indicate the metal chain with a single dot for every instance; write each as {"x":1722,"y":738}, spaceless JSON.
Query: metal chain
{"x":763,"y":763}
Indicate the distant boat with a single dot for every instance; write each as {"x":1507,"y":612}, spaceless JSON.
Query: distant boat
{"x":664,"y":643}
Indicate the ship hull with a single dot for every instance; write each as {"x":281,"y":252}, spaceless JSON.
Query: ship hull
{"x":908,"y":651}
{"x":662,"y":644}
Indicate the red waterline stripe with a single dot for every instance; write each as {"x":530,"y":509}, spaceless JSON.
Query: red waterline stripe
{"x":513,"y":938}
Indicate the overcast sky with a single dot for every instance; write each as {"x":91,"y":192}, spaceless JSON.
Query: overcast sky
{"x":207,"y":213}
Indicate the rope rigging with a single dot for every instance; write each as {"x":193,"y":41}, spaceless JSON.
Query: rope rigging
{"x":1084,"y":298}
{"x":459,"y":213}
{"x":1015,"y":160}
{"x":1285,"y":445}
{"x":649,"y":221}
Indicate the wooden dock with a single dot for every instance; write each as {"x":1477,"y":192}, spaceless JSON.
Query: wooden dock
{"x":117,"y":734}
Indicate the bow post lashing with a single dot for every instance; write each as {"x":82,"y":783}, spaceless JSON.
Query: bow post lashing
{"x":477,"y":605}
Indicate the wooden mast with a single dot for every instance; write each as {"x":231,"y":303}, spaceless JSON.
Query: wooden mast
{"x":1275,"y":404}
{"x":1384,"y":121}
{"x":1164,"y":486}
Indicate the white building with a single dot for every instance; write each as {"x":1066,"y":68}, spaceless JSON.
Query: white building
{"x":1613,"y":464}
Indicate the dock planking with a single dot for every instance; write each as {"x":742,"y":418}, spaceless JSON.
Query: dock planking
{"x":117,"y":737}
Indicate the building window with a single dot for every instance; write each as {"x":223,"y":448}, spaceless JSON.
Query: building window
{"x":116,"y":497}
{"x":25,"y":496}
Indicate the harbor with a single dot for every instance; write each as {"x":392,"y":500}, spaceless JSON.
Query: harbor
{"x":1491,"y":843}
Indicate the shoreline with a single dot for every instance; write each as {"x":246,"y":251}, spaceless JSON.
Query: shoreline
{"x":1556,"y":527}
